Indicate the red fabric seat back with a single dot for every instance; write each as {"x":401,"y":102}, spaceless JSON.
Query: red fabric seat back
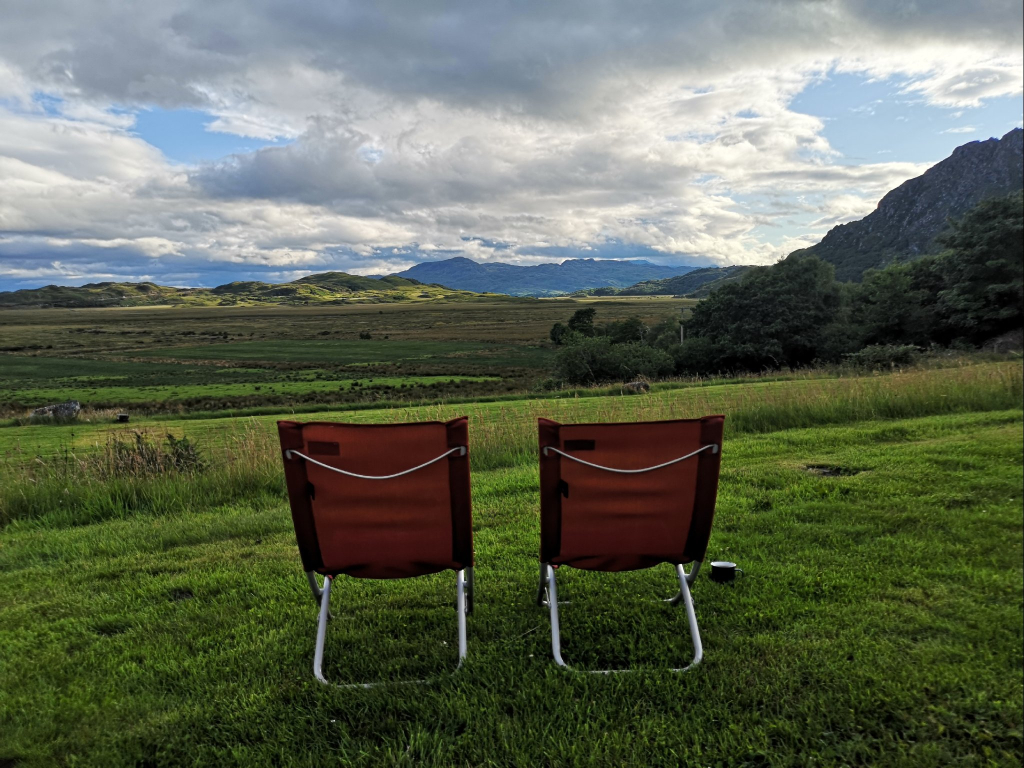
{"x":381,"y":529}
{"x":605,"y":521}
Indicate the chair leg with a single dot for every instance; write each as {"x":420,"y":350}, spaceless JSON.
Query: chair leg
{"x":321,"y":632}
{"x":460,"y":597}
{"x":314,"y":587}
{"x":321,"y":629}
{"x":690,"y":578}
{"x":317,"y":591}
{"x":556,"y":637}
{"x":684,"y":596}
{"x":691,"y":615}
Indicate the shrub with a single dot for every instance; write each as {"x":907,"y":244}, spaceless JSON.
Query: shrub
{"x":629,"y":330}
{"x":879,"y":356}
{"x":558,"y":332}
{"x":591,"y":360}
{"x":582,"y":321}
{"x":183,"y":455}
{"x":139,"y":456}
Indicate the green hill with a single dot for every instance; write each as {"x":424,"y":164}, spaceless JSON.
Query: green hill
{"x":95,"y":295}
{"x":325,"y":288}
{"x":697,"y":284}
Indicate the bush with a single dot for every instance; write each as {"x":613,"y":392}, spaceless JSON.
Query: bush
{"x":879,"y":356}
{"x":629,"y":330}
{"x":582,"y":321}
{"x":592,"y":360}
{"x":558,"y":332}
{"x":140,"y":456}
{"x":183,"y":455}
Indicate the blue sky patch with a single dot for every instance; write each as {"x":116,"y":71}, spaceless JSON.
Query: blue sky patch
{"x":182,"y":136}
{"x":871,"y":121}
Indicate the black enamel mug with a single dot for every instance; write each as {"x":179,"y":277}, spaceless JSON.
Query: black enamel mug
{"x":722,"y":571}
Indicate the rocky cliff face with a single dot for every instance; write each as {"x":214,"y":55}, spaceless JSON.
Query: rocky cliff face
{"x":908,"y":219}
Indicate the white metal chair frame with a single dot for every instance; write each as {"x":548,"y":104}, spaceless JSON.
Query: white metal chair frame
{"x":464,"y":584}
{"x":322,"y":595}
{"x":547,"y":590}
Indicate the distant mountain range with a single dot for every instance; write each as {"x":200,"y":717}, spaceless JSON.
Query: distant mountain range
{"x":325,"y":288}
{"x":908,"y":219}
{"x":904,"y":225}
{"x":540,"y":280}
{"x":450,"y":279}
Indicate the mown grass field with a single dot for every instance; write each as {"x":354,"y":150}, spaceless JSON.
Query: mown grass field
{"x":165,"y":621}
{"x":879,"y":624}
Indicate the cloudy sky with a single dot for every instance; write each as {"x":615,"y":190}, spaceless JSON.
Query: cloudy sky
{"x":194,"y":142}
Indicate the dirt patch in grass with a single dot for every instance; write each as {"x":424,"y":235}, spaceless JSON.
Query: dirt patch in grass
{"x":831,"y":470}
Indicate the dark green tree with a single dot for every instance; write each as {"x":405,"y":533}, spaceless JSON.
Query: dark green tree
{"x":582,"y":321}
{"x":984,"y":270}
{"x":897,"y":305}
{"x":558,"y":332}
{"x":785,"y":315}
{"x":632,"y":329}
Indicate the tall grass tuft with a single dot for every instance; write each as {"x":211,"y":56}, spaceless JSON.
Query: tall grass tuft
{"x":141,"y":476}
{"x":507,"y":436}
{"x":68,"y":490}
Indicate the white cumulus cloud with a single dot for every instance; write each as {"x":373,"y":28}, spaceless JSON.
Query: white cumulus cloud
{"x":521,"y":132}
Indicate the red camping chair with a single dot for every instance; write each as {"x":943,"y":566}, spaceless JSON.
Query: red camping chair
{"x":380,"y":501}
{"x":620,"y":497}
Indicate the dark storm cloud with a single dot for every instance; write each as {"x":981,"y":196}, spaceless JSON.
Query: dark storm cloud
{"x":522,"y":56}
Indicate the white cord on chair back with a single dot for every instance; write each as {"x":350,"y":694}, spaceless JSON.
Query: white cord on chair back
{"x":630,"y":471}
{"x":460,"y":448}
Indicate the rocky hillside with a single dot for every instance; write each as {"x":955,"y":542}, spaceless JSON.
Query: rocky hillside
{"x":540,"y":280}
{"x":908,"y":218}
{"x":325,"y":288}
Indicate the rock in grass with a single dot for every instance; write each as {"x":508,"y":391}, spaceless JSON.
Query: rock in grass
{"x":638,"y":387}
{"x":57,"y":412}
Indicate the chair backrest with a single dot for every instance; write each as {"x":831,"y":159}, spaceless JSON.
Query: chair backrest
{"x":416,"y":523}
{"x":618,"y":521}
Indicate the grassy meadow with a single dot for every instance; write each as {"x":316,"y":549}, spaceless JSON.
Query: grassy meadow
{"x":153,"y":611}
{"x":181,"y":359}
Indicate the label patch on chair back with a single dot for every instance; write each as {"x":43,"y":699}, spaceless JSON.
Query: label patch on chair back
{"x":318,"y":448}
{"x":580,"y":445}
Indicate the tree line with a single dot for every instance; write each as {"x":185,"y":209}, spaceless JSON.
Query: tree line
{"x":794,"y":313}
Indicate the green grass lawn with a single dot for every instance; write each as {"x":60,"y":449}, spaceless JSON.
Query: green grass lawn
{"x":880,"y":623}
